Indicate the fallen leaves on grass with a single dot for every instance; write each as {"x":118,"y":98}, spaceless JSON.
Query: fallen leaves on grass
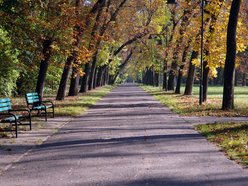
{"x":231,"y":137}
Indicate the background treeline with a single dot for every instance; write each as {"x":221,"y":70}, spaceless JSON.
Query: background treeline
{"x":175,"y":51}
{"x":70,"y":46}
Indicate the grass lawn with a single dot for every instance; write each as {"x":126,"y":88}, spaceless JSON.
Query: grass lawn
{"x":232,"y":138}
{"x":189,"y":105}
{"x":73,"y":106}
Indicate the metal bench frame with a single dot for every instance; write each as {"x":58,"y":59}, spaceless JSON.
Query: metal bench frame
{"x":35,"y":103}
{"x":8,"y":115}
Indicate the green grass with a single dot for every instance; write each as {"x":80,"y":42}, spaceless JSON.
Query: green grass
{"x":232,"y":138}
{"x":73,"y":106}
{"x":189,"y":105}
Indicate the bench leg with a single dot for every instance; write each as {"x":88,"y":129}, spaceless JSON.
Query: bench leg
{"x":53,"y":112}
{"x":30,"y":122}
{"x":16,"y":128}
{"x":46,"y":114}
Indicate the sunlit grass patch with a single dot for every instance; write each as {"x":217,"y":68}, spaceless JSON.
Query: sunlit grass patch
{"x":73,"y":106}
{"x":232,"y":138}
{"x":189,"y":105}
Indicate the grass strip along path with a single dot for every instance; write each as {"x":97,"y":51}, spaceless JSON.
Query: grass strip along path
{"x":128,"y":139}
{"x":231,"y":137}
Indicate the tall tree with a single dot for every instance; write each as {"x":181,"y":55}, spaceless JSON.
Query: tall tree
{"x":79,"y":30}
{"x":228,"y":93}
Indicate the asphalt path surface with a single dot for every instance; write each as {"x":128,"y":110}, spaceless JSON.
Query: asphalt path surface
{"x":127,"y":139}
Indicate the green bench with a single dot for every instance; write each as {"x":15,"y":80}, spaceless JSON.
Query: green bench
{"x":12,"y":117}
{"x":35,"y":103}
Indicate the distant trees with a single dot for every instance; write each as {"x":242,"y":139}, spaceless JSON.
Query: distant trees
{"x":181,"y":45}
{"x":48,"y":45}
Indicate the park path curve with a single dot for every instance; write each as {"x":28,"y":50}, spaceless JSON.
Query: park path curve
{"x":127,"y":139}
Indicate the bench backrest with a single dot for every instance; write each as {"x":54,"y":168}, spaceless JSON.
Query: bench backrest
{"x":32,"y":98}
{"x":5,"y":104}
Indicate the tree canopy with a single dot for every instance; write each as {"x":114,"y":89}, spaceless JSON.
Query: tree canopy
{"x":44,"y":44}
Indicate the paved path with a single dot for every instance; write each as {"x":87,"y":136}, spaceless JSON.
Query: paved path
{"x":127,"y":139}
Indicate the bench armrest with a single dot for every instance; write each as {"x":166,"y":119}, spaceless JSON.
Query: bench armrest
{"x":20,"y":110}
{"x":8,"y":114}
{"x":48,"y":101}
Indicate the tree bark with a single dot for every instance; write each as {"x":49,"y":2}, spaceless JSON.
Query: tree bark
{"x":172,"y":76}
{"x":244,"y":79}
{"x":156,"y":79}
{"x":99,"y":77}
{"x":73,"y":91}
{"x":95,"y":77}
{"x":122,"y":66}
{"x":228,"y":93}
{"x":179,"y":79}
{"x":46,"y":51}
{"x":85,"y":79}
{"x":165,"y":85}
{"x":106,"y":76}
{"x":205,"y":81}
{"x":191,"y":75}
{"x":92,"y":71}
{"x":64,"y":79}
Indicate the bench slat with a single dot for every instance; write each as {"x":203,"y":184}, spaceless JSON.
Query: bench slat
{"x":4,"y":100}
{"x":7,"y":104}
{"x":5,"y":108}
{"x":32,"y":93}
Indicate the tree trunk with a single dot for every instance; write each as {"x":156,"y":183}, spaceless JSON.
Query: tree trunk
{"x":73,"y":91}
{"x":179,"y":80}
{"x":228,"y":93}
{"x":95,"y":77}
{"x":151,"y":77}
{"x":205,"y":81}
{"x":64,"y":79}
{"x":244,"y":79}
{"x":111,"y":80}
{"x":156,"y":79}
{"x":46,"y":51}
{"x":99,"y":77}
{"x":172,"y":76}
{"x":105,"y":76}
{"x":165,"y":85}
{"x":84,"y":84}
{"x":191,"y":75}
{"x":92,"y":71}
{"x":180,"y":71}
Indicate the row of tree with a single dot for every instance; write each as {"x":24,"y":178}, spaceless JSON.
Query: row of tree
{"x":70,"y":45}
{"x":177,"y":50}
